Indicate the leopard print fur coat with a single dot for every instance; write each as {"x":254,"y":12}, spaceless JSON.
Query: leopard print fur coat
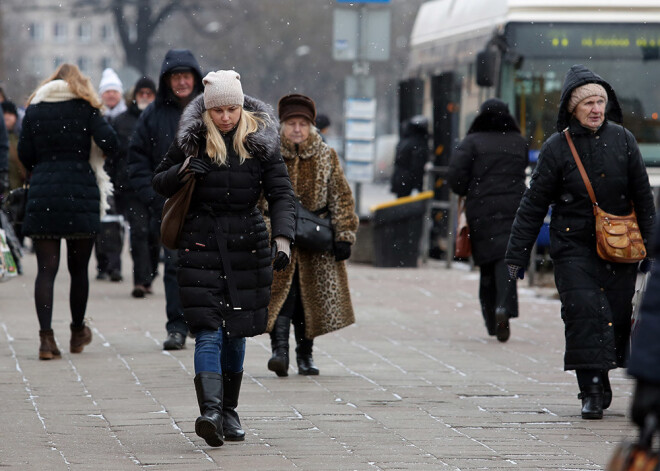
{"x":318,"y":180}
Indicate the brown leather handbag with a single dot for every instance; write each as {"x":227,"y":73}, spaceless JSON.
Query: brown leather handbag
{"x":463,"y":242}
{"x":176,"y":209}
{"x":618,"y":238}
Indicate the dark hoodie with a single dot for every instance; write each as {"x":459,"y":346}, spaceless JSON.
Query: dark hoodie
{"x":156,"y":128}
{"x":412,"y":153}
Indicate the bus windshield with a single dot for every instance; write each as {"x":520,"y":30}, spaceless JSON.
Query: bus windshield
{"x":626,"y":56}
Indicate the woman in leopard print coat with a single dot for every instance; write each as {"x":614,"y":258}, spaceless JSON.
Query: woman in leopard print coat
{"x":313,"y":290}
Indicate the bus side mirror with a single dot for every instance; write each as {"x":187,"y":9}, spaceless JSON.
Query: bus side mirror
{"x":486,"y":62}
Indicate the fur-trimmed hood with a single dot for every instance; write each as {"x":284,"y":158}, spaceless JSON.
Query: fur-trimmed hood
{"x":263,"y":143}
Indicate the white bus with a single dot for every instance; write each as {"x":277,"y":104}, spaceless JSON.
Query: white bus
{"x":465,"y":51}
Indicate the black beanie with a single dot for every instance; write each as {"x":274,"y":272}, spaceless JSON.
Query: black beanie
{"x":144,"y":82}
{"x":9,"y":107}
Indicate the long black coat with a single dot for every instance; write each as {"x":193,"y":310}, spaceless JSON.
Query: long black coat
{"x":489,"y":169}
{"x":117,"y":165}
{"x":224,"y":243}
{"x":156,"y":129}
{"x":412,"y":153}
{"x":595,"y":294}
{"x":645,"y":348}
{"x":55,"y":142}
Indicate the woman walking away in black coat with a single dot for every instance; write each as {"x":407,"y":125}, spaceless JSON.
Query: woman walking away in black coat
{"x":488,"y":168}
{"x":62,"y":128}
{"x":225,"y":256}
{"x":595,"y":294}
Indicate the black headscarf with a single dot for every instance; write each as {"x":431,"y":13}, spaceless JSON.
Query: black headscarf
{"x":494,"y":116}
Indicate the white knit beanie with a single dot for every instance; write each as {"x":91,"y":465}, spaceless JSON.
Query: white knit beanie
{"x":110,"y":81}
{"x":222,"y":88}
{"x":585,"y":91}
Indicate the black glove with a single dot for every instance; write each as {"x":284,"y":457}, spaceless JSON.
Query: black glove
{"x":646,"y":265}
{"x":342,"y":251}
{"x":645,"y":401}
{"x":280,"y":259}
{"x":199,"y":167}
{"x":516,"y":271}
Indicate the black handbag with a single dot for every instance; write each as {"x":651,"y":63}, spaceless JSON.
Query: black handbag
{"x":15,"y":205}
{"x":313,"y":232}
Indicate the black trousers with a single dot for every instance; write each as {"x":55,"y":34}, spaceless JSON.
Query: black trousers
{"x":144,"y":238}
{"x":496,"y":289}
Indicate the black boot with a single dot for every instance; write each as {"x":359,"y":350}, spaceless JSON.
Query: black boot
{"x":502,"y":330}
{"x":209,"y":397}
{"x":279,"y":343}
{"x":304,"y":349}
{"x":231,"y":424}
{"x":592,"y":401}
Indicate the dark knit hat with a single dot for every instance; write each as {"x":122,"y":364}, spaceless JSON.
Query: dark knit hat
{"x":145,"y":82}
{"x":9,"y":107}
{"x":322,"y":121}
{"x":295,"y":105}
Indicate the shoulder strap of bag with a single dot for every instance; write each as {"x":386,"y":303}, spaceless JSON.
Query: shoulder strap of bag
{"x":583,"y":172}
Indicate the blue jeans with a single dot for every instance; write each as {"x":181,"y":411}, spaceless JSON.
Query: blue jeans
{"x":215,"y":352}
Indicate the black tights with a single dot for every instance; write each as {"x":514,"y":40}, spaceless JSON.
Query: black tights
{"x":78,"y":252}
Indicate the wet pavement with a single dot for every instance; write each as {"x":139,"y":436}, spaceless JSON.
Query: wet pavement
{"x":415,"y":384}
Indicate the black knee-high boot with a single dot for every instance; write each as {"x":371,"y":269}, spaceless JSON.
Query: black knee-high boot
{"x":209,"y":397}
{"x":279,"y":343}
{"x":591,"y":393}
{"x":231,"y":424}
{"x":304,"y":349}
{"x":607,"y":389}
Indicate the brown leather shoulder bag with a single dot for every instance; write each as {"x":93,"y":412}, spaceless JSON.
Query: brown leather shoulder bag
{"x":176,"y":209}
{"x":618,"y":238}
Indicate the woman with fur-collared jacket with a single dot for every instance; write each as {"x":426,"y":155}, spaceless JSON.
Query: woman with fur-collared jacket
{"x":229,"y":142}
{"x":313,"y":291}
{"x":62,"y":143}
{"x":595,"y":294}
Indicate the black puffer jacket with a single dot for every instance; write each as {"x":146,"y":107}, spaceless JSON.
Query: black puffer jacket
{"x":224,"y":243}
{"x":488,"y":167}
{"x":595,"y":294}
{"x":156,"y":129}
{"x":64,"y":198}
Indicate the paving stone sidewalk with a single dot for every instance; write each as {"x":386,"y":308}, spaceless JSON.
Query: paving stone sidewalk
{"x":415,"y":384}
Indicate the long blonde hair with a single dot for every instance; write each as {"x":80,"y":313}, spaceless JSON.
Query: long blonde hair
{"x":79,"y":84}
{"x":247,"y":124}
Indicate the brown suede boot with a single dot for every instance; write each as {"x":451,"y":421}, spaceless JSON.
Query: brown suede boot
{"x":80,"y":337}
{"x":48,"y":349}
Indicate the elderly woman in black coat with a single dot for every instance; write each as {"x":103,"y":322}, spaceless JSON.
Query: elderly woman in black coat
{"x":225,"y":255}
{"x":62,"y":143}
{"x":488,"y":168}
{"x":595,"y":294}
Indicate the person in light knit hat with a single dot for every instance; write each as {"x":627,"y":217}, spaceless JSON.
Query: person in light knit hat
{"x":595,"y":294}
{"x":111,"y":90}
{"x":228,"y":142}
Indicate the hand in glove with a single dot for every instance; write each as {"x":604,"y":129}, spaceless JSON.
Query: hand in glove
{"x":645,"y":401}
{"x":280,"y":252}
{"x":516,"y":271}
{"x":199,"y":167}
{"x":342,"y":251}
{"x":646,"y":265}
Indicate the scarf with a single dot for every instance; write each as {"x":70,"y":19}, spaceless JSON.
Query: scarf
{"x":57,"y":91}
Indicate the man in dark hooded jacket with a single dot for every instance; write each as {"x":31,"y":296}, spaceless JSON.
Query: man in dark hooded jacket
{"x":412,"y":153}
{"x":595,"y":294}
{"x":180,"y":81}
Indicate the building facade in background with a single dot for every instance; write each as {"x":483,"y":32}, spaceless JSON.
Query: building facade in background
{"x":36,"y":36}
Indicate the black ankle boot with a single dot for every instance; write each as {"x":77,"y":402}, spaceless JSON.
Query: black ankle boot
{"x":502,"y":329}
{"x":231,"y":424}
{"x":209,"y":397}
{"x":304,"y":349}
{"x":279,"y":342}
{"x":592,"y":402}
